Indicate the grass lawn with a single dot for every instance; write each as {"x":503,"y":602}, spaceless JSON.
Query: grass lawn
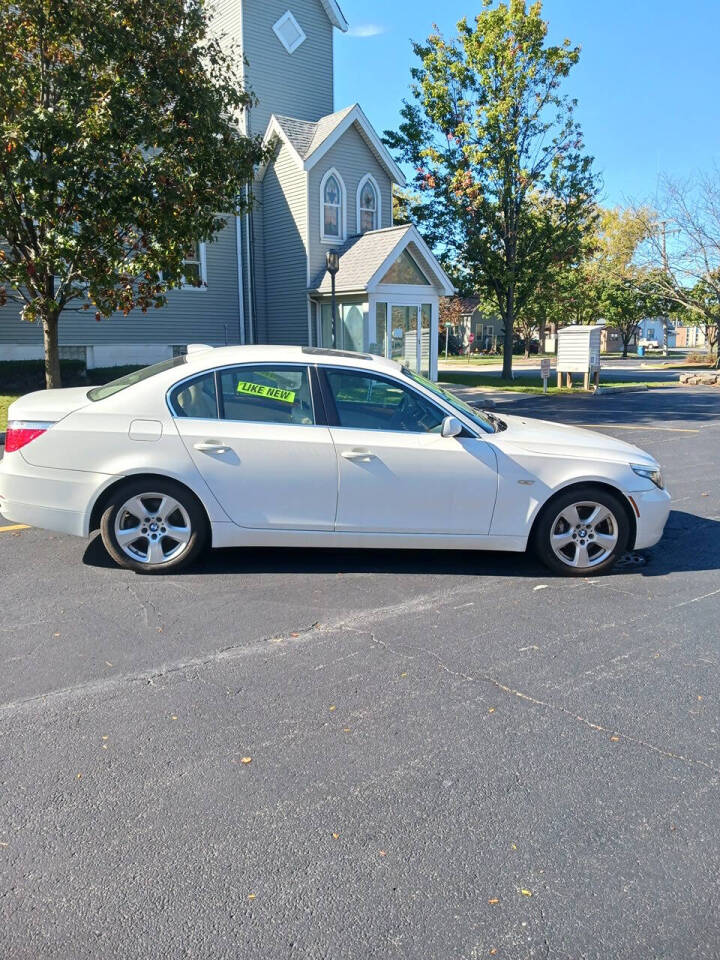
{"x":534,"y":384}
{"x":5,"y":402}
{"x":480,"y":359}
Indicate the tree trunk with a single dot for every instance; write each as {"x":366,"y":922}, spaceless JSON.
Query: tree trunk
{"x":53,"y":378}
{"x":527,"y":347}
{"x":509,"y":320}
{"x":543,"y":335}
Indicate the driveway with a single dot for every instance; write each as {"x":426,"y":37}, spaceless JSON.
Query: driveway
{"x":451,"y":756}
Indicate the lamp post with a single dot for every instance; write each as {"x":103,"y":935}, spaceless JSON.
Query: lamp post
{"x":332,"y":262}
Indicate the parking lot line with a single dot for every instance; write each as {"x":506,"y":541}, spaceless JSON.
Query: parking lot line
{"x":624,"y":426}
{"x":15,"y":526}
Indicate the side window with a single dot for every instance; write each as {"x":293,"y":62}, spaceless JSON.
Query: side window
{"x":374,"y":403}
{"x":266,"y":394}
{"x":196,"y":398}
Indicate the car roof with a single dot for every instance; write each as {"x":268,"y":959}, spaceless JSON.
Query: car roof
{"x":204,"y":359}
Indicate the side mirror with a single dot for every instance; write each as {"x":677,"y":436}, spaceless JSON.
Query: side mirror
{"x":451,"y":427}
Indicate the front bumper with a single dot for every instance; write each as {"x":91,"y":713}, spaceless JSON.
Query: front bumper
{"x":654,"y":509}
{"x":58,"y":500}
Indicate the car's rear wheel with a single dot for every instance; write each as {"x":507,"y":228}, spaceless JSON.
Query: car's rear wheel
{"x":582,"y":532}
{"x":153,"y":526}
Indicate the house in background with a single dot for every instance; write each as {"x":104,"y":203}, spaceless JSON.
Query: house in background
{"x":651,"y":328}
{"x":486,"y":330}
{"x":327,"y":187}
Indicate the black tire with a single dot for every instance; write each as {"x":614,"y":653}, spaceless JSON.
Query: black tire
{"x":553,"y":529}
{"x":187,"y":521}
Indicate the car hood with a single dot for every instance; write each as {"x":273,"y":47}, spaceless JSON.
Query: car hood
{"x":557,"y":439}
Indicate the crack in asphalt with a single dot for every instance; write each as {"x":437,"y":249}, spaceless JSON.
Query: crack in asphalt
{"x":232,"y":652}
{"x":548,"y":705}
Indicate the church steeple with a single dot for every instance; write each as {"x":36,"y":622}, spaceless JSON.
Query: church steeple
{"x":288,"y":48}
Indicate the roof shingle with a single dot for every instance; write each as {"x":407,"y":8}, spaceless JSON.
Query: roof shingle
{"x":360,"y":258}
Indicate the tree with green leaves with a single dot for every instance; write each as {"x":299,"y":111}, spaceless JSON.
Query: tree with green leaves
{"x":505,"y":186}
{"x":625,"y":300}
{"x":119,"y":151}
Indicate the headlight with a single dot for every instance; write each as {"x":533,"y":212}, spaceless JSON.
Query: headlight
{"x":650,"y":473}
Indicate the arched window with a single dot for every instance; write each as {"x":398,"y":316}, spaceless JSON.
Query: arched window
{"x":333,"y":207}
{"x":368,"y":205}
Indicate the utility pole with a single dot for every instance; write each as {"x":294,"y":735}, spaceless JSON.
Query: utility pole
{"x":666,"y":268}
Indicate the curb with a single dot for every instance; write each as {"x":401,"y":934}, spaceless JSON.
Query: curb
{"x":606,"y":391}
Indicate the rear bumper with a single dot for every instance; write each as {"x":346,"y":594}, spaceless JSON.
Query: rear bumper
{"x":654,"y":508}
{"x":58,"y":500}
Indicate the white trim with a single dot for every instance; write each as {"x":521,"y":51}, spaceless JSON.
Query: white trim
{"x":287,"y":17}
{"x":202,"y":262}
{"x":275,"y":131}
{"x":356,"y":115}
{"x":332,"y":172}
{"x":412,"y":236}
{"x":369,"y":178}
{"x":250,"y":292}
{"x":335,"y":14}
{"x":241,"y":280}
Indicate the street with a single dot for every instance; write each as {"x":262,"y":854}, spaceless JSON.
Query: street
{"x":356,"y":754}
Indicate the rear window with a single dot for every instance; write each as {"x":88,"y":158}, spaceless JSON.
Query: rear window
{"x":130,"y":379}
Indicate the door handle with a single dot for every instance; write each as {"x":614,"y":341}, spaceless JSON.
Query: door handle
{"x":211,"y":446}
{"x":362,"y":455}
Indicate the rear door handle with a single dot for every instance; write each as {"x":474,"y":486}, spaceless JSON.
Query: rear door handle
{"x":362,"y":455}
{"x":211,"y":446}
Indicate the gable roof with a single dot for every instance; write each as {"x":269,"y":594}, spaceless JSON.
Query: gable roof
{"x":365,"y":259}
{"x":335,"y":14}
{"x":311,"y":141}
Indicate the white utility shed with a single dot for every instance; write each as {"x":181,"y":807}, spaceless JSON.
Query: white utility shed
{"x":578,"y":351}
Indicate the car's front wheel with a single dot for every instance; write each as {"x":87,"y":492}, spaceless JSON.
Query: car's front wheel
{"x":582,"y":532}
{"x":153,"y":526}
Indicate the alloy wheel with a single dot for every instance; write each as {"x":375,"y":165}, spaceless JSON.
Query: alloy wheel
{"x":152,"y":528}
{"x":584,"y":534}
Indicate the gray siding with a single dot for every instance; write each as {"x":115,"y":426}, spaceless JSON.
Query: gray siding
{"x":284,"y":215}
{"x":190,"y":315}
{"x":353,"y":159}
{"x":293,"y":85}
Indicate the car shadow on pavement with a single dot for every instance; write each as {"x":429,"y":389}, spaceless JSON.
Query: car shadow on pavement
{"x":691,"y":543}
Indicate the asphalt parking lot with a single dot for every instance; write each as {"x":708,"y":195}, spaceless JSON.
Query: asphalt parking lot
{"x":452,"y":756}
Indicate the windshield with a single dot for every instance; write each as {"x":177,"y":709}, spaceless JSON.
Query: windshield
{"x":137,"y":376}
{"x":482,"y":420}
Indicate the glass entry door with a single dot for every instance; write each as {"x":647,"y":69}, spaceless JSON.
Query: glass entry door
{"x":409,"y":336}
{"x":404,"y":336}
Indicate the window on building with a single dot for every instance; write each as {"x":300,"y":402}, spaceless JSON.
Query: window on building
{"x":368,"y":206}
{"x":332,"y":203}
{"x":369,"y":402}
{"x":405,"y":271}
{"x":266,"y":394}
{"x":194,"y":266}
{"x":351,"y":321}
{"x":289,"y":32}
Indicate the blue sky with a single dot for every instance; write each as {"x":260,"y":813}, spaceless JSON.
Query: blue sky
{"x":648,"y":81}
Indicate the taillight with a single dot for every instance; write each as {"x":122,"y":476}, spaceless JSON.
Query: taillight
{"x":21,"y":432}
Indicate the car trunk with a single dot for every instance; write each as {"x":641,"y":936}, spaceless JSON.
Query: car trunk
{"x":49,"y":405}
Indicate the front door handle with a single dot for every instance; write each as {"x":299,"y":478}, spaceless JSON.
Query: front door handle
{"x":363,"y":456}
{"x":211,"y":446}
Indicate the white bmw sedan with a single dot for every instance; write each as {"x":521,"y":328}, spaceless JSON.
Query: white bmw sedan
{"x":303,"y":447}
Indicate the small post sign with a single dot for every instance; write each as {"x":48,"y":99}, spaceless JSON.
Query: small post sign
{"x":545,"y":372}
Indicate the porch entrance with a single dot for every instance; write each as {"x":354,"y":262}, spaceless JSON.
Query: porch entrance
{"x":388,"y":328}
